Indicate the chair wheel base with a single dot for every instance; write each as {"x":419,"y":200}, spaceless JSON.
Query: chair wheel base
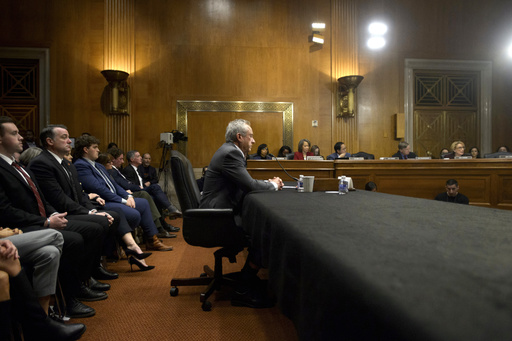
{"x":207,"y":306}
{"x":174,"y":291}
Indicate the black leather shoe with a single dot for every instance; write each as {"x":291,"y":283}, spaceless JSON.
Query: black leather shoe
{"x":89,"y":295}
{"x":172,"y":212}
{"x":60,"y":331}
{"x":103,"y":274}
{"x":251,"y":298}
{"x":98,"y":286}
{"x":169,"y":227}
{"x":76,"y":309}
{"x":165,"y":234}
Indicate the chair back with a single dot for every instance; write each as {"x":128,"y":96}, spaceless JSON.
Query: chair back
{"x":184,"y":181}
{"x":366,"y":156}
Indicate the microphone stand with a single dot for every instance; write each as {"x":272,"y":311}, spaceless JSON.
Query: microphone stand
{"x":279,"y":163}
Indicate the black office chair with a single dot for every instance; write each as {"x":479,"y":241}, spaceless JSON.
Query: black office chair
{"x":365,"y":155}
{"x":290,"y":156}
{"x":206,"y":228}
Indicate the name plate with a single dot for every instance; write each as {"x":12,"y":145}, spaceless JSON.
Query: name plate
{"x":505,"y":156}
{"x":315,"y":157}
{"x":389,"y":158}
{"x":280,"y":158}
{"x":463,"y":157}
{"x":423,"y":157}
{"x":356,"y":158}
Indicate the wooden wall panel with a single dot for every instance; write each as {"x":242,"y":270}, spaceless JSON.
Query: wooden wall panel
{"x":258,"y":50}
{"x":211,"y":127}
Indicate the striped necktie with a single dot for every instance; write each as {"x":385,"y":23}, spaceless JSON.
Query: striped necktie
{"x":33,"y":187}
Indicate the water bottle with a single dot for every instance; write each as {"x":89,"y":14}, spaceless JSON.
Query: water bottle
{"x":343,"y":185}
{"x":300,"y":184}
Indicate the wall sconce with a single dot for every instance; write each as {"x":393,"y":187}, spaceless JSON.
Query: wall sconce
{"x":118,"y":92}
{"x":316,"y":36}
{"x":346,"y":91}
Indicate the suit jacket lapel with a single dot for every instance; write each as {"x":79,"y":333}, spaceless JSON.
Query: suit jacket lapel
{"x":14,"y":172}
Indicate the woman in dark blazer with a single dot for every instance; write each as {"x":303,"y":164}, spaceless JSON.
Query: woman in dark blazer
{"x":262,"y":153}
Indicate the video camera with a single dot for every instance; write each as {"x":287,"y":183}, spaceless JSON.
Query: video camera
{"x":173,"y":137}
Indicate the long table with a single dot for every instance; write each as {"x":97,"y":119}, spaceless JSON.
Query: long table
{"x":369,"y":265}
{"x":486,"y":182}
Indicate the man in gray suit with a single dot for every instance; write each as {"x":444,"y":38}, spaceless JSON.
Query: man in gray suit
{"x":227,"y":181}
{"x":225,"y":184}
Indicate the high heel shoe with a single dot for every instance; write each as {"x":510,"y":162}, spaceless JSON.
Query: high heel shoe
{"x":142,"y":267}
{"x":137,"y":255}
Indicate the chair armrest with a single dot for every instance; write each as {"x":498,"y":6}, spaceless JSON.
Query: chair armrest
{"x":210,"y":213}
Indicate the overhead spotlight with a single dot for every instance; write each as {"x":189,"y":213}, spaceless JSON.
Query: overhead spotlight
{"x":377,"y":29}
{"x":376,"y":43}
{"x":318,"y":38}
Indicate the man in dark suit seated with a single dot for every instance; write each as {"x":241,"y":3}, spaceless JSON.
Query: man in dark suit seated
{"x":59,"y":182}
{"x":148,"y":172}
{"x":117,"y":159}
{"x":132,"y":174}
{"x":452,"y":193}
{"x":340,"y":151}
{"x":225,"y":185}
{"x":404,"y":151}
{"x":95,"y":179}
{"x":23,"y":204}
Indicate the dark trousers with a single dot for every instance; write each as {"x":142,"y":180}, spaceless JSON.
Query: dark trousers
{"x":159,"y":197}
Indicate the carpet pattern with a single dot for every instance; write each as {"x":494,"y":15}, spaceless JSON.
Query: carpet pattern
{"x":139,"y":306}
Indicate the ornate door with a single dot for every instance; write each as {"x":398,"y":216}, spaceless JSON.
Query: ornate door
{"x":445,"y":110}
{"x":19,"y":92}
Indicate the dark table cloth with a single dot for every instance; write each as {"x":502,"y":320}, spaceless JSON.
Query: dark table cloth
{"x":368,"y":265}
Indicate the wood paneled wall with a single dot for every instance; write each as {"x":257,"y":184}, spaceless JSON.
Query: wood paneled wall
{"x":258,"y":50}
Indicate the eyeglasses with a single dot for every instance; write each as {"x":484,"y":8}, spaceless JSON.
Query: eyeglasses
{"x":460,"y":148}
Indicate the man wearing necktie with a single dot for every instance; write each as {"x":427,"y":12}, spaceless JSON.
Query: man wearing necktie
{"x":95,"y":179}
{"x":404,"y":151}
{"x":23,"y":205}
{"x":60,"y":186}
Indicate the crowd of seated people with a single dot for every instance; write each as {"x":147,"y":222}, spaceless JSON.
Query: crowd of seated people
{"x":65,"y":216}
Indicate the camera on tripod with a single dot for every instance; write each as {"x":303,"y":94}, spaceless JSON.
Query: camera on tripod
{"x":173,"y":137}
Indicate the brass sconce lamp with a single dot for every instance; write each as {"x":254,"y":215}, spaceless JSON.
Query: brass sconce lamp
{"x":346,"y":92}
{"x":117,"y":92}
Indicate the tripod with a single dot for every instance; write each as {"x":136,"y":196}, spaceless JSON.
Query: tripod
{"x":165,"y":166}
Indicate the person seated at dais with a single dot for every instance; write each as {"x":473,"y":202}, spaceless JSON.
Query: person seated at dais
{"x":283,"y":151}
{"x":458,"y":148}
{"x":404,"y":151}
{"x":262,"y":153}
{"x":303,"y":152}
{"x":452,"y":193}
{"x":503,"y":149}
{"x":340,"y":151}
{"x":316,"y":151}
{"x":443,"y":152}
{"x":475,"y":153}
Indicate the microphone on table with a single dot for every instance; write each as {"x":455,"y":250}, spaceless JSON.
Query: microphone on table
{"x":279,"y":163}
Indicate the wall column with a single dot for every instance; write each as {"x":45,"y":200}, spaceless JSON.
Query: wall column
{"x":119,"y":54}
{"x":345,"y":62}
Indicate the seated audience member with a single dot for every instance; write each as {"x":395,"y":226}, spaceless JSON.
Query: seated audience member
{"x":303,"y":152}
{"x":262,"y":153}
{"x":112,"y":145}
{"x":443,"y":152}
{"x":283,"y":151}
{"x":132,"y":174}
{"x":370,"y":186}
{"x":316,"y":151}
{"x":95,"y":179}
{"x":23,"y":205}
{"x":148,"y":172}
{"x":452,"y":193}
{"x":30,"y":140}
{"x":17,"y":296}
{"x":502,"y":149}
{"x":404,"y":151}
{"x":457,"y":148}
{"x":475,"y":153}
{"x":110,"y":163}
{"x":200,"y":181}
{"x":226,"y":183}
{"x":29,"y":154}
{"x":340,"y":151}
